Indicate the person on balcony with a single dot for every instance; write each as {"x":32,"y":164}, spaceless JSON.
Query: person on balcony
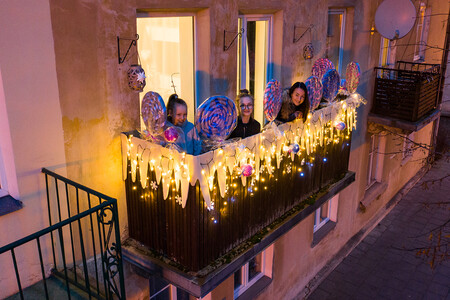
{"x":295,"y":103}
{"x":177,"y":115}
{"x":246,"y":126}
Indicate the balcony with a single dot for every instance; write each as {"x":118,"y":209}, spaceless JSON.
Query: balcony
{"x":406,"y":97}
{"x":196,"y":211}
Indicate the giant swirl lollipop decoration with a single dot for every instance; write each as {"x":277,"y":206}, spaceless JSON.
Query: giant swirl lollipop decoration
{"x":216,"y":118}
{"x":352,"y":75}
{"x":272,"y":99}
{"x":330,"y":83}
{"x":314,"y":87}
{"x":320,"y":67}
{"x":153,"y":112}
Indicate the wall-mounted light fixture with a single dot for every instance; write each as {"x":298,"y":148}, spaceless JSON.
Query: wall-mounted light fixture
{"x":308,"y":49}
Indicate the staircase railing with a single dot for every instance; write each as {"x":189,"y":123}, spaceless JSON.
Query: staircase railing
{"x":82,"y":247}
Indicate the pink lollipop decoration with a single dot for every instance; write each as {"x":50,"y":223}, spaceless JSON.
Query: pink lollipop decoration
{"x":272,"y":99}
{"x":171,"y":134}
{"x":330,"y":83}
{"x":314,"y":87}
{"x":247,"y":170}
{"x":352,"y":75}
{"x":153,"y":112}
{"x":320,"y":67}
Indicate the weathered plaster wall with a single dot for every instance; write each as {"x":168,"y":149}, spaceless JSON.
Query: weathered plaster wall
{"x":31,"y":101}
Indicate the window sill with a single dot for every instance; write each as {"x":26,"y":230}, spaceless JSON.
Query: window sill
{"x":373,"y":193}
{"x":8,"y":204}
{"x":255,"y":289}
{"x":320,"y":234}
{"x":402,"y":124}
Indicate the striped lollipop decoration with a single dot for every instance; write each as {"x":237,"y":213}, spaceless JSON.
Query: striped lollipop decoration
{"x":330,"y":83}
{"x":314,"y":87}
{"x":272,"y":99}
{"x":352,"y":75}
{"x":320,"y":67}
{"x":216,"y":118}
{"x":153,"y":112}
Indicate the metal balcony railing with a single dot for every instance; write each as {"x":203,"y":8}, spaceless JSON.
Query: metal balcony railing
{"x":407,"y":92}
{"x":81,"y":245}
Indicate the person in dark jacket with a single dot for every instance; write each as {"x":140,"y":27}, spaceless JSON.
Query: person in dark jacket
{"x":246,"y":126}
{"x":295,"y":103}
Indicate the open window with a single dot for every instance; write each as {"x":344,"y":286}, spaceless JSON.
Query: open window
{"x":335,"y":37}
{"x":166,"y":52}
{"x":254,"y":55}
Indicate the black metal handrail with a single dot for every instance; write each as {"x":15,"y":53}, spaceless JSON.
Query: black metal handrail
{"x":106,"y":220}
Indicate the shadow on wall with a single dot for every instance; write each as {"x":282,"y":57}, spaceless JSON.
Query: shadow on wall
{"x":206,"y":85}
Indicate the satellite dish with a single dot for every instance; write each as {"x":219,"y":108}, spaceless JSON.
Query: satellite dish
{"x":395,"y":18}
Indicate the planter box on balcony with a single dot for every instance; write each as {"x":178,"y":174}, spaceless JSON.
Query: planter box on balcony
{"x":198,"y":219}
{"x":407,"y":92}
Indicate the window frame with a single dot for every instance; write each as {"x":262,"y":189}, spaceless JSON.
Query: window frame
{"x":317,"y":216}
{"x":338,"y":11}
{"x":245,"y":283}
{"x":372,"y":173}
{"x":195,"y":88}
{"x":422,"y":28}
{"x":242,"y":47}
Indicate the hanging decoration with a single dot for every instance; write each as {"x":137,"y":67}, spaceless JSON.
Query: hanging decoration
{"x":308,"y":51}
{"x":314,"y":87}
{"x":320,"y":67}
{"x":136,"y":78}
{"x":243,"y":160}
{"x":272,"y":99}
{"x":330,"y":83}
{"x":352,"y":76}
{"x":154,"y":115}
{"x":216,"y":118}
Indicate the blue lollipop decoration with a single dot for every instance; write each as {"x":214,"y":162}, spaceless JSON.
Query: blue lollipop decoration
{"x":216,"y":118}
{"x":331,"y":82}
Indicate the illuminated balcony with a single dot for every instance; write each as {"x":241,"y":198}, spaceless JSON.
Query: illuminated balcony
{"x":196,"y":211}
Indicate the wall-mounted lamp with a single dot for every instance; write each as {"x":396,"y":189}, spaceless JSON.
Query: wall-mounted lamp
{"x":308,"y":49}
{"x":372,"y":29}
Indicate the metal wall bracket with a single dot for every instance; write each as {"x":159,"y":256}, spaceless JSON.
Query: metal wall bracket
{"x":132,"y":43}
{"x":238,"y":33}
{"x":311,"y":26}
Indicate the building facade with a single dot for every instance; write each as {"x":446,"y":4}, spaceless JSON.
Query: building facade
{"x":65,"y":100}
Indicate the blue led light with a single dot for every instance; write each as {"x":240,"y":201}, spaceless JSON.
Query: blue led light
{"x":324,"y":159}
{"x":302,"y":174}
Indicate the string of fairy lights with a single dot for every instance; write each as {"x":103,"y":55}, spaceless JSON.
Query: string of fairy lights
{"x":250,"y":163}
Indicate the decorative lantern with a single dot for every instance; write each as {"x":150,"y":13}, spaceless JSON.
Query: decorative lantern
{"x":308,"y":51}
{"x":136,"y":78}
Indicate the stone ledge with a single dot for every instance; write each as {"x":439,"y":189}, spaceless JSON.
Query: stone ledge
{"x":402,"y":124}
{"x":8,"y":205}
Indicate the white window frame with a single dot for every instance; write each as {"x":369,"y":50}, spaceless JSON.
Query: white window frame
{"x":423,"y":25}
{"x":338,"y":11}
{"x":266,"y":270}
{"x":408,"y":147}
{"x":243,"y":47}
{"x":373,"y":155}
{"x":3,"y":182}
{"x":331,"y":216}
{"x":195,"y":47}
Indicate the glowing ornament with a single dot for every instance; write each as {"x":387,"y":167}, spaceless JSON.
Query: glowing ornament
{"x":340,"y":126}
{"x":247,"y":170}
{"x":171,"y":134}
{"x":136,"y":78}
{"x":295,"y":148}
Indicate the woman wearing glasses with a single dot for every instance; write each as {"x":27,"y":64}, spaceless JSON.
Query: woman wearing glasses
{"x":246,"y":126}
{"x":295,"y":103}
